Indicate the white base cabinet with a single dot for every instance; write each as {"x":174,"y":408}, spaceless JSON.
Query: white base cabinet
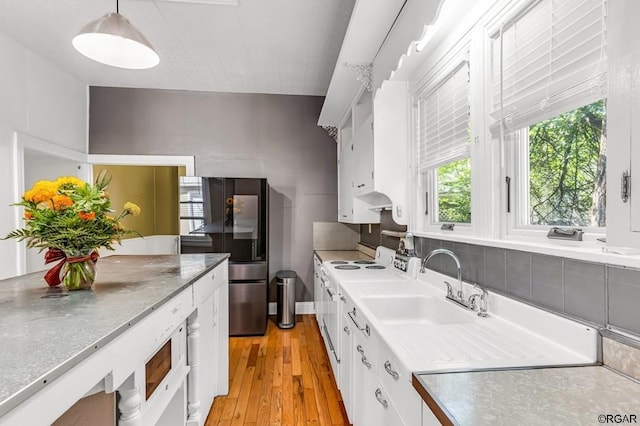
{"x":317,"y":288}
{"x":428,"y":418}
{"x":375,"y":389}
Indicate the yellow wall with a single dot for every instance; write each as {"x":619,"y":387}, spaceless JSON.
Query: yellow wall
{"x":153,"y":188}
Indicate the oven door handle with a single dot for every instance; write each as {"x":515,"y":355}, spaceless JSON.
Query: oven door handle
{"x":331,"y":348}
{"x":332,"y":296}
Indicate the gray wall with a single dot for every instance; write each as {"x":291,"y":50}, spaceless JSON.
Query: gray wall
{"x":598,"y":293}
{"x":235,"y":135}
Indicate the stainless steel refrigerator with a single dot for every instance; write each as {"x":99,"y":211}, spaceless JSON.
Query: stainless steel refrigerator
{"x":230,"y":215}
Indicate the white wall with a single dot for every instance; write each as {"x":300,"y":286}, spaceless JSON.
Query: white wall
{"x":38,"y":99}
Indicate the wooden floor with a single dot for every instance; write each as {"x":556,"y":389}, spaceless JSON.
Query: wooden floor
{"x":282,"y":378}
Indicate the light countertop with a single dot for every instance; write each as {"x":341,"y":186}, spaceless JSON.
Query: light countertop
{"x":326,"y":255}
{"x":547,"y":396}
{"x":45,"y":331}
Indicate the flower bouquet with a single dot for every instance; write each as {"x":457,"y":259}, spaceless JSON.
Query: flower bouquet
{"x":72,"y":220}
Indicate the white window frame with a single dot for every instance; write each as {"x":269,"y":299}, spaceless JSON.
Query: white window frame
{"x":429,"y":223}
{"x":514,"y":225}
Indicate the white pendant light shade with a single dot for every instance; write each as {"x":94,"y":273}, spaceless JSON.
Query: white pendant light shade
{"x":112,"y":40}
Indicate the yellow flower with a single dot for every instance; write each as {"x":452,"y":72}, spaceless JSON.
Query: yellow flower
{"x":67,"y":182}
{"x":132,"y":208}
{"x":42,"y":191}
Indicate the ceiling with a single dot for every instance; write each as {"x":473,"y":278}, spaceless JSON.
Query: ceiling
{"x":256,"y":46}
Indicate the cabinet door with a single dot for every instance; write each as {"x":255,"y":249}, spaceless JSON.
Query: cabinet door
{"x":317,"y":288}
{"x":345,"y":381}
{"x":363,"y":154}
{"x":378,"y":408}
{"x":345,"y":178}
{"x":208,"y":351}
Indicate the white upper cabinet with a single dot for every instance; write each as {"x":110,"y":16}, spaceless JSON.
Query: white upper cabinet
{"x":623,"y":124}
{"x":351,"y":209}
{"x":391,"y":142}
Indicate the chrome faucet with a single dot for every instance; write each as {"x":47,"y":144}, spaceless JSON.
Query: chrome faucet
{"x":455,"y":258}
{"x":472,"y":303}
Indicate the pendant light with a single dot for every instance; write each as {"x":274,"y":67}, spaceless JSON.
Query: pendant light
{"x":112,"y":40}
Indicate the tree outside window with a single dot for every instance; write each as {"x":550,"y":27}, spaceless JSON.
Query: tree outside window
{"x":454,"y":191}
{"x":567,"y":168}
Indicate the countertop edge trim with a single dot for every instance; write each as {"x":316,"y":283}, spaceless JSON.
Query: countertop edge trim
{"x":38,"y":384}
{"x":436,"y":407}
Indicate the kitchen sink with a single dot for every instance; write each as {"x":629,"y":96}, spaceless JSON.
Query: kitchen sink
{"x":416,"y":309}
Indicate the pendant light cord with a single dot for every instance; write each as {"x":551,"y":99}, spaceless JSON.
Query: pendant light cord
{"x":117,"y":6}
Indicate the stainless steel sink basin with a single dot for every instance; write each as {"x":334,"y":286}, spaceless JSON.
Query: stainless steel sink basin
{"x":416,"y":309}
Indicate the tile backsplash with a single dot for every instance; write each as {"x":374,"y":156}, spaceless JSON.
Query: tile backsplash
{"x":335,"y":236}
{"x":595,"y":292}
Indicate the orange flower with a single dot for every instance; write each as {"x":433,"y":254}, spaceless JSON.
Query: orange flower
{"x":87,"y":216}
{"x":59,"y":202}
{"x":28,"y":215}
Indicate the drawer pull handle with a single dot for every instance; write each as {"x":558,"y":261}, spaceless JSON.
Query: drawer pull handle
{"x":383,"y":402}
{"x":393,"y":373}
{"x":346,"y":330}
{"x":359,"y":349}
{"x":365,"y":362}
{"x":213,"y":277}
{"x":176,"y":308}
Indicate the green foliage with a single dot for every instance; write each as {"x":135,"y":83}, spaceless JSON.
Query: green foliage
{"x":454,"y":192}
{"x":567,"y":159}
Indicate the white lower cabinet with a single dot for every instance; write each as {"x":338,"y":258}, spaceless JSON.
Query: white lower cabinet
{"x":428,"y":418}
{"x":317,"y":288}
{"x":345,"y":379}
{"x":375,"y":389}
{"x":397,"y":382}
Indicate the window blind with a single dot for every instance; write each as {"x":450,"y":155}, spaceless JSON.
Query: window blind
{"x":444,"y":120}
{"x":547,"y":60}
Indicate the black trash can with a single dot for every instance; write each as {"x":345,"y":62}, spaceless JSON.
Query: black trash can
{"x":286,"y":299}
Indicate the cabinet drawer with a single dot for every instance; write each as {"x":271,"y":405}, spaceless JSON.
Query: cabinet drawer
{"x":365,"y":351}
{"x":146,"y":337}
{"x":397,"y":382}
{"x":205,"y":286}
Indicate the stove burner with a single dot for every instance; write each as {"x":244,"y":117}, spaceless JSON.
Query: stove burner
{"x":375,"y":267}
{"x":347,"y":267}
{"x":339,"y":262}
{"x":364,"y":262}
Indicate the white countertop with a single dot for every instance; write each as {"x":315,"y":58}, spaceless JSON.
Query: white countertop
{"x":515,"y":334}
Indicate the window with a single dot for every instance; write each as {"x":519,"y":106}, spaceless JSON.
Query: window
{"x":548,"y":64}
{"x":443,"y":148}
{"x":454,"y":191}
{"x":565,"y":169}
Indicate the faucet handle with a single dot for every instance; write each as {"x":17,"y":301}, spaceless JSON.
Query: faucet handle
{"x":449,"y":290}
{"x":484,"y":296}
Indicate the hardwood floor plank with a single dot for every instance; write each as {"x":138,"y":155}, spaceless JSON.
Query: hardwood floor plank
{"x":243,"y":397}
{"x":321,"y":400}
{"x":228,"y":409}
{"x":310,"y":407}
{"x":254,"y":401}
{"x":287,"y":395}
{"x":275,"y":415}
{"x":299,"y":417}
{"x":296,"y":368}
{"x":216,"y":411}
{"x":305,"y":367}
{"x":236,"y":383}
{"x":283,"y":378}
{"x":333,"y":398}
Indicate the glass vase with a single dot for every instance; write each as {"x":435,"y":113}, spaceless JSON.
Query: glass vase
{"x":79,"y":275}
